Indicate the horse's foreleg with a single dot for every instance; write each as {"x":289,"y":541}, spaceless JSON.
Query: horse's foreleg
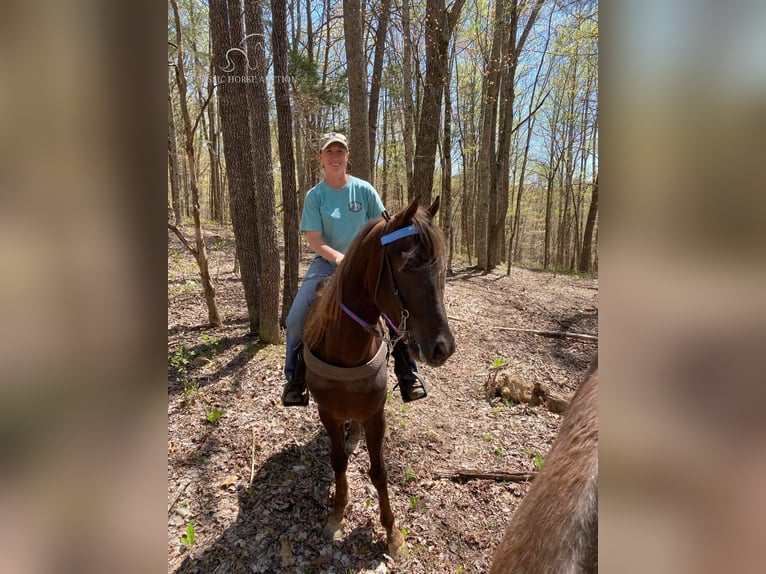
{"x":374,"y":430}
{"x":354,"y":435}
{"x":339,"y":458}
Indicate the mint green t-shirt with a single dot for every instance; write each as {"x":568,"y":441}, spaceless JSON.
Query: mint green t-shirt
{"x":340,"y":213}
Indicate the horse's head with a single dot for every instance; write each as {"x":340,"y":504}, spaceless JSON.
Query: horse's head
{"x":410,"y":281}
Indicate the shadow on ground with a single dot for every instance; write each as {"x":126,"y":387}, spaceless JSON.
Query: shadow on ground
{"x":291,"y":487}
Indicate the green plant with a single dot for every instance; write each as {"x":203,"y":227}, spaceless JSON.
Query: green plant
{"x":405,"y":408}
{"x":497,"y":364}
{"x":405,"y":531}
{"x":538,"y":461}
{"x":459,"y":570}
{"x":211,"y":342}
{"x":414,"y":499}
{"x":188,"y":538}
{"x":367,"y":503}
{"x":409,"y":475}
{"x":180,"y":361}
{"x":191,"y":388}
{"x":402,"y":423}
{"x":499,"y":450}
{"x":213,"y":415}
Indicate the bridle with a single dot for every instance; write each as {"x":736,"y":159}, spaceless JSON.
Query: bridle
{"x":385,"y":262}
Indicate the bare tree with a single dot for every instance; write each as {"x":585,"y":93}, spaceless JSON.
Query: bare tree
{"x":440,"y":24}
{"x":226,"y":32}
{"x":445,"y":217}
{"x":408,"y":107}
{"x":587,"y":242}
{"x":214,"y":149}
{"x":494,"y":189}
{"x":175,"y":183}
{"x":260,"y":134}
{"x":359,"y":132}
{"x":199,"y":252}
{"x":377,"y":73}
{"x":279,"y":49}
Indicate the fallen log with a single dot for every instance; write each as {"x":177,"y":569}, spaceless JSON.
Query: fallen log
{"x":469,"y":474}
{"x":556,"y":334}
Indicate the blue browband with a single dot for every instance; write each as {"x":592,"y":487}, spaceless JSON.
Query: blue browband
{"x":398,"y":234}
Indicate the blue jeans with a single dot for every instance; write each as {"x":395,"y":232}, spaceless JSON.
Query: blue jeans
{"x":319,"y":269}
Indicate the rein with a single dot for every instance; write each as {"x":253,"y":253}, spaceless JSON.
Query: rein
{"x":385,"y":261}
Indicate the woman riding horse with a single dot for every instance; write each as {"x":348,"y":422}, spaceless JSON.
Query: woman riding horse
{"x":334,"y":211}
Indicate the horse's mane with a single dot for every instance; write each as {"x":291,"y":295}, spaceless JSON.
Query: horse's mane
{"x":326,"y":309}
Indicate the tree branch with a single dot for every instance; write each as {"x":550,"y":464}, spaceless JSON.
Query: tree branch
{"x":555,"y":334}
{"x":175,"y":230}
{"x":201,"y":111}
{"x":532,"y":113}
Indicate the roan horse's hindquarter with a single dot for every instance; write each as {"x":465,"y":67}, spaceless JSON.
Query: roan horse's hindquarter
{"x":555,"y":528}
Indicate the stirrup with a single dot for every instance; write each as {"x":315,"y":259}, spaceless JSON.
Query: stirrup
{"x":295,"y":394}
{"x":413,"y":387}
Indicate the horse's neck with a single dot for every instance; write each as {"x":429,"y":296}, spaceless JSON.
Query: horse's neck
{"x":346,"y":342}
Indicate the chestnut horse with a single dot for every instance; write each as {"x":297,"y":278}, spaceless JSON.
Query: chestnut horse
{"x":394,"y":266}
{"x":555,"y":528}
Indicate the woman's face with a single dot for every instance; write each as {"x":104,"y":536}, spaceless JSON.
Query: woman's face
{"x":334,"y":157}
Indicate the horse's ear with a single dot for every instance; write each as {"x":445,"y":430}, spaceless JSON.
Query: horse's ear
{"x":434,"y":207}
{"x":410,"y":210}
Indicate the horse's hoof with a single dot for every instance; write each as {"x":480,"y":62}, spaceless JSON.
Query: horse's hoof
{"x":397,"y":548}
{"x":333,"y":530}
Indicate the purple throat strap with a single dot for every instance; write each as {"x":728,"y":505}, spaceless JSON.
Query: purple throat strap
{"x":364,"y":323}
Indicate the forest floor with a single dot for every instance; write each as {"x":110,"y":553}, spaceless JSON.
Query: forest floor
{"x":257,"y":483}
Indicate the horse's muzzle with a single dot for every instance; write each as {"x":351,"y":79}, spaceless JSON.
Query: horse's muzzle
{"x":437,"y":351}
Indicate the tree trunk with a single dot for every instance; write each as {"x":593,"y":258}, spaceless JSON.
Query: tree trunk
{"x":216,"y":185}
{"x":260,"y":134}
{"x":530,"y":128}
{"x":175,"y":184}
{"x":359,"y":132}
{"x":548,"y":211}
{"x":445,"y":216}
{"x":519,"y":194}
{"x":280,"y":51}
{"x":498,"y":188}
{"x":377,"y":73}
{"x":383,"y":189}
{"x":440,"y":24}
{"x":235,"y":129}
{"x":212,"y":310}
{"x":590,"y":224}
{"x":486,"y":166}
{"x":496,"y":195}
{"x":408,"y":107}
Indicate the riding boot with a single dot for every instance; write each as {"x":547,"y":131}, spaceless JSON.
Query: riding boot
{"x":411,"y":384}
{"x":295,"y":394}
